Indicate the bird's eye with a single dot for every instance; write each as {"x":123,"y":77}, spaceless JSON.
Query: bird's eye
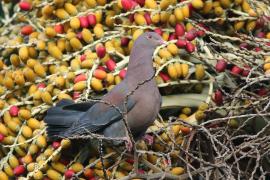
{"x":149,"y":37}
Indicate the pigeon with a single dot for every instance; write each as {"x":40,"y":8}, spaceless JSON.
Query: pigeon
{"x":137,"y":94}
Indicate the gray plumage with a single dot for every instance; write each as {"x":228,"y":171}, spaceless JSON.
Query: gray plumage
{"x":68,"y":119}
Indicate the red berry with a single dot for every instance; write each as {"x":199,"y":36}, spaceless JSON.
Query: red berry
{"x":56,"y":144}
{"x":203,"y":26}
{"x":141,"y":171}
{"x":140,"y":2}
{"x":21,"y":161}
{"x":260,"y":35}
{"x":181,"y":43}
{"x":158,"y":31}
{"x":101,"y":51}
{"x":131,"y":161}
{"x":164,"y":76}
{"x":122,"y":73}
{"x":221,"y":65}
{"x":191,"y":35}
{"x":262,"y":92}
{"x":124,"y":41}
{"x":88,"y":172}
{"x":131,"y":17}
{"x":179,"y":30}
{"x":83,"y":57}
{"x":190,"y":8}
{"x":92,"y":20}
{"x":41,"y":85}
{"x":69,"y":173}
{"x":167,"y":162}
{"x":147,"y":18}
{"x":266,"y":18}
{"x":127,"y":4}
{"x":83,"y":22}
{"x":172,"y":37}
{"x":101,"y":68}
{"x":190,"y":48}
{"x":80,"y":77}
{"x":14,"y":110}
{"x":79,"y":35}
{"x":212,"y":125}
{"x":64,"y":161}
{"x":246,"y":71}
{"x":200,"y":33}
{"x":59,"y":28}
{"x":260,"y":22}
{"x":243,"y":46}
{"x":19,"y":170}
{"x":25,"y":6}
{"x":110,"y":64}
{"x":27,"y":30}
{"x":76,"y":95}
{"x":2,"y":137}
{"x":134,"y":4}
{"x":257,"y":49}
{"x":236,"y":70}
{"x":218,"y":97}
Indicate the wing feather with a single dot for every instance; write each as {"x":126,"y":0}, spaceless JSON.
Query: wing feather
{"x":96,"y":120}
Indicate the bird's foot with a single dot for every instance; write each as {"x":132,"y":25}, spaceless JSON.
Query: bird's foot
{"x":128,"y":143}
{"x":148,"y":139}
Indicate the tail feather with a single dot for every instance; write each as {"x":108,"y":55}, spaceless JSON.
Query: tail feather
{"x":58,"y":119}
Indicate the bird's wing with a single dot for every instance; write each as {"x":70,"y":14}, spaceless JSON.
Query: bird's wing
{"x":82,"y":106}
{"x":97,"y":118}
{"x":67,"y":104}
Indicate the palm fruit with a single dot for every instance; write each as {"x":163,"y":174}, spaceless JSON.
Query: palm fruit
{"x":23,"y":53}
{"x":50,"y":32}
{"x":61,"y":13}
{"x":75,"y":23}
{"x":87,"y":35}
{"x":53,"y":174}
{"x":39,"y":70}
{"x":98,"y":31}
{"x":70,"y":9}
{"x":199,"y":72}
{"x":139,"y":19}
{"x":14,"y":59}
{"x":177,"y":170}
{"x":185,"y":69}
{"x":75,"y":44}
{"x":46,"y":97}
{"x":172,"y":71}
{"x":197,"y":4}
{"x":54,"y":51}
{"x":96,"y":84}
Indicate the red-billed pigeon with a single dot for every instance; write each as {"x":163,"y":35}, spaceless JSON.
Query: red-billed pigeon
{"x":68,"y":119}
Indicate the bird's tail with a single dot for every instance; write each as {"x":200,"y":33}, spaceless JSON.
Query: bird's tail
{"x":59,"y":119}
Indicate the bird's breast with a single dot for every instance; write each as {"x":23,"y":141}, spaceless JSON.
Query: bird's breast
{"x":145,"y":111}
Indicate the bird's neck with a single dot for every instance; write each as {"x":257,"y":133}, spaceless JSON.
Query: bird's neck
{"x":140,"y":67}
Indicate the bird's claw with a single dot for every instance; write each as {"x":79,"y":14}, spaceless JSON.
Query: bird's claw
{"x":149,"y":139}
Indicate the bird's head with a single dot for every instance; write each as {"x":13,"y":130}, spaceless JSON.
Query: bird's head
{"x":149,"y":40}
